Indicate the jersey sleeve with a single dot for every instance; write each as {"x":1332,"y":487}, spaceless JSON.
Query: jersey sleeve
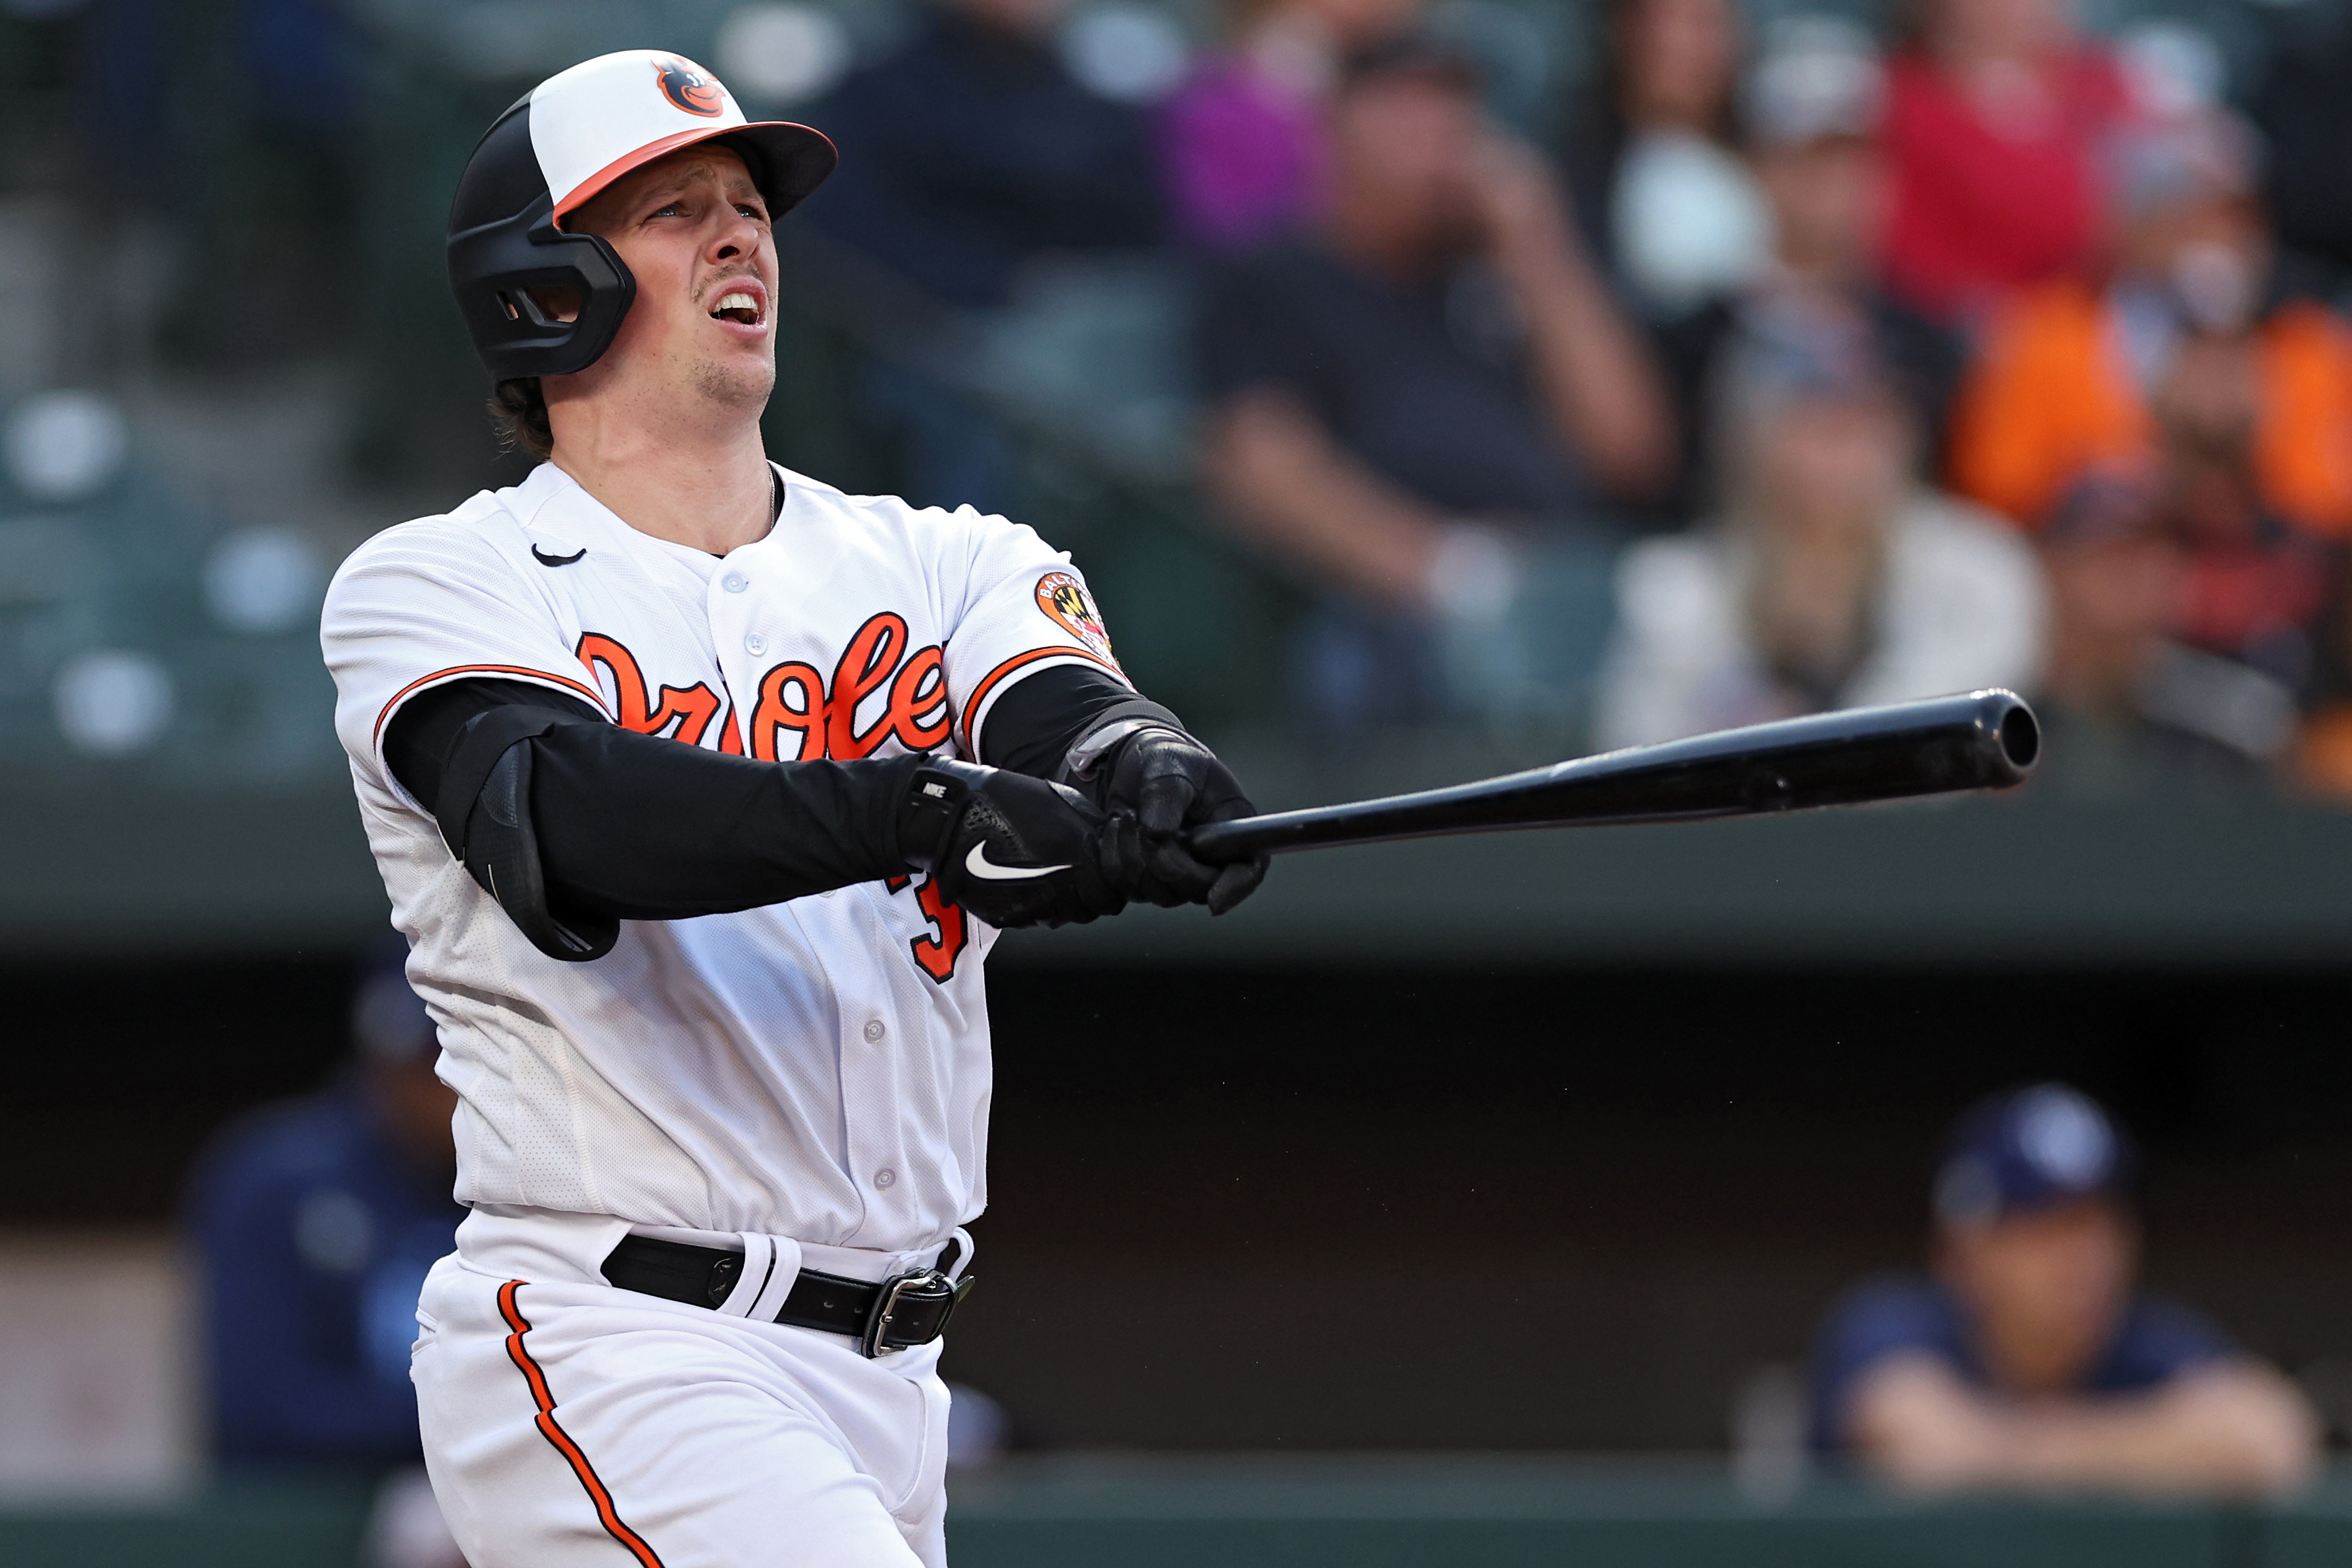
{"x":1877,"y":1319}
{"x":426,"y":603}
{"x":1023,"y":607}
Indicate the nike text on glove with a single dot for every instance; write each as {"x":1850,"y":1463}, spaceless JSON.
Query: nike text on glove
{"x":1012,"y":851}
{"x":1168,"y":782}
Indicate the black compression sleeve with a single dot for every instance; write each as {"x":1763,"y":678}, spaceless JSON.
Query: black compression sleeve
{"x":634,"y":827}
{"x":418,"y":741}
{"x":1032,"y":727}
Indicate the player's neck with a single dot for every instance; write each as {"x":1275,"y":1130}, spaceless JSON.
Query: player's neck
{"x":706,"y":488}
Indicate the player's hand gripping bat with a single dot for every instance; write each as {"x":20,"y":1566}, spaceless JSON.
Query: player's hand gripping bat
{"x":1982,"y":740}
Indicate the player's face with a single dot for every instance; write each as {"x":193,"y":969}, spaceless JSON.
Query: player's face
{"x":2044,"y":1289}
{"x":694,"y":231}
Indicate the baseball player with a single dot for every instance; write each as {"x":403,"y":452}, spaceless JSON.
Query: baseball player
{"x":700,"y":789}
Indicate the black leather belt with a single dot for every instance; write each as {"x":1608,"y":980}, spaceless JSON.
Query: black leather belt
{"x":903,"y":1311}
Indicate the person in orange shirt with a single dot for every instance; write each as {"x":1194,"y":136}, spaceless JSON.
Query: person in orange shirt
{"x":2176,"y":363}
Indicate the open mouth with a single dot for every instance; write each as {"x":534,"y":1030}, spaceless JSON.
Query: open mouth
{"x":744,"y":307}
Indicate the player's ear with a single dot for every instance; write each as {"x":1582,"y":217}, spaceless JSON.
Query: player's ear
{"x":557,"y":303}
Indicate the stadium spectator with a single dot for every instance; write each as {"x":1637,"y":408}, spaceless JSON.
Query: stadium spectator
{"x":2305,"y":118}
{"x":2127,"y":709}
{"x":1810,"y":114}
{"x":2030,"y":1360}
{"x":972,"y":160}
{"x":1831,"y":577}
{"x":972,"y":149}
{"x":1659,"y":195}
{"x":2320,"y":760}
{"x":1996,"y":117}
{"x":1435,"y":375}
{"x":2240,"y":401}
{"x":317,"y":1221}
{"x":1240,"y":143}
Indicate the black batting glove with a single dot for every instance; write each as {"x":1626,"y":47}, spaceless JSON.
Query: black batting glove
{"x":1167,"y":782}
{"x":1011,"y":849}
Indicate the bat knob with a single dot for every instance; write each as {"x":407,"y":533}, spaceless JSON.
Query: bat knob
{"x":2021,"y":734}
{"x":2014,"y":736}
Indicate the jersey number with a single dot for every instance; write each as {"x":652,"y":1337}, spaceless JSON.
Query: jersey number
{"x":935,"y":954}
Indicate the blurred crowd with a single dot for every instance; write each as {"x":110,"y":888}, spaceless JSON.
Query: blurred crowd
{"x":1755,"y":367}
{"x":1803,"y":367}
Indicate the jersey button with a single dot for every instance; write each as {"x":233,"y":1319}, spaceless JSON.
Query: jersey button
{"x":886,"y":1177}
{"x":875,"y":1031}
{"x":755,"y":644}
{"x":735,"y":581}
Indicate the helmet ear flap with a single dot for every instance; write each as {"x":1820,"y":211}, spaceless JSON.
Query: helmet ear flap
{"x":502,"y":272}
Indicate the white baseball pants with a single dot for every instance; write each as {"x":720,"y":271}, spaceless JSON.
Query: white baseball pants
{"x":576,"y":1426}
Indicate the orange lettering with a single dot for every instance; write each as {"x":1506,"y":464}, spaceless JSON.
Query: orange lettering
{"x":865,"y":665}
{"x":921,"y":688}
{"x":692,"y":707}
{"x":688,"y":708}
{"x":606,"y":657}
{"x":774,"y":712}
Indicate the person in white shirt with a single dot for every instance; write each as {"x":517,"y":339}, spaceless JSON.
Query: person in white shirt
{"x":1832,"y":578}
{"x":700,"y":789}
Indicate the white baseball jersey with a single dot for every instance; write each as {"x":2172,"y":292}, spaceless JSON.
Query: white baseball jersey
{"x":818,"y":1069}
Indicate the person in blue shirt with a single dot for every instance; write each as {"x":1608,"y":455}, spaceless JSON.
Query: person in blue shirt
{"x":972,"y":149}
{"x":2029,"y":1359}
{"x":317,"y":1219}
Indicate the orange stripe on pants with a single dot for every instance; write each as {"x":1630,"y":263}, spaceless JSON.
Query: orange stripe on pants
{"x":589,"y":1480}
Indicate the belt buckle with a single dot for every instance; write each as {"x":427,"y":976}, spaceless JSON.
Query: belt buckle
{"x":921,"y":1287}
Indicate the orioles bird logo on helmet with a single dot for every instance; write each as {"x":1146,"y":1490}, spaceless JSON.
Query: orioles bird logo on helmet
{"x":688,"y":89}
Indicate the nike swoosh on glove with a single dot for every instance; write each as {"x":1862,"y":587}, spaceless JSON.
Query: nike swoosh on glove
{"x":1012,"y":850}
{"x":1167,"y":782}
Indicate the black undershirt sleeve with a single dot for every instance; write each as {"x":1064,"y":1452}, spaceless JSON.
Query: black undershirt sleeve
{"x":1032,"y":727}
{"x":634,"y":826}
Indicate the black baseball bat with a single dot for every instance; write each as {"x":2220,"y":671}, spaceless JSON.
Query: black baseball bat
{"x":1980,"y":740}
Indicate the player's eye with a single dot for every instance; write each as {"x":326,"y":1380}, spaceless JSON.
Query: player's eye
{"x":749,"y":210}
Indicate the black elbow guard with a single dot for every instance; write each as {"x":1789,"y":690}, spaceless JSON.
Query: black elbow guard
{"x":484,"y":815}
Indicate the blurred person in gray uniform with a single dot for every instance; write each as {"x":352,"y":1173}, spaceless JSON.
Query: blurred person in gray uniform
{"x":2030,"y":1360}
{"x":1409,"y":403}
{"x":1832,"y":578}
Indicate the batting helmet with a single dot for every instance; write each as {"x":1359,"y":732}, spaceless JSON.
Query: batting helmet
{"x":566,"y":140}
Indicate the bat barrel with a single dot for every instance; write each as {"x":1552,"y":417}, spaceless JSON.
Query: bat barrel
{"x":1981,"y":740}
